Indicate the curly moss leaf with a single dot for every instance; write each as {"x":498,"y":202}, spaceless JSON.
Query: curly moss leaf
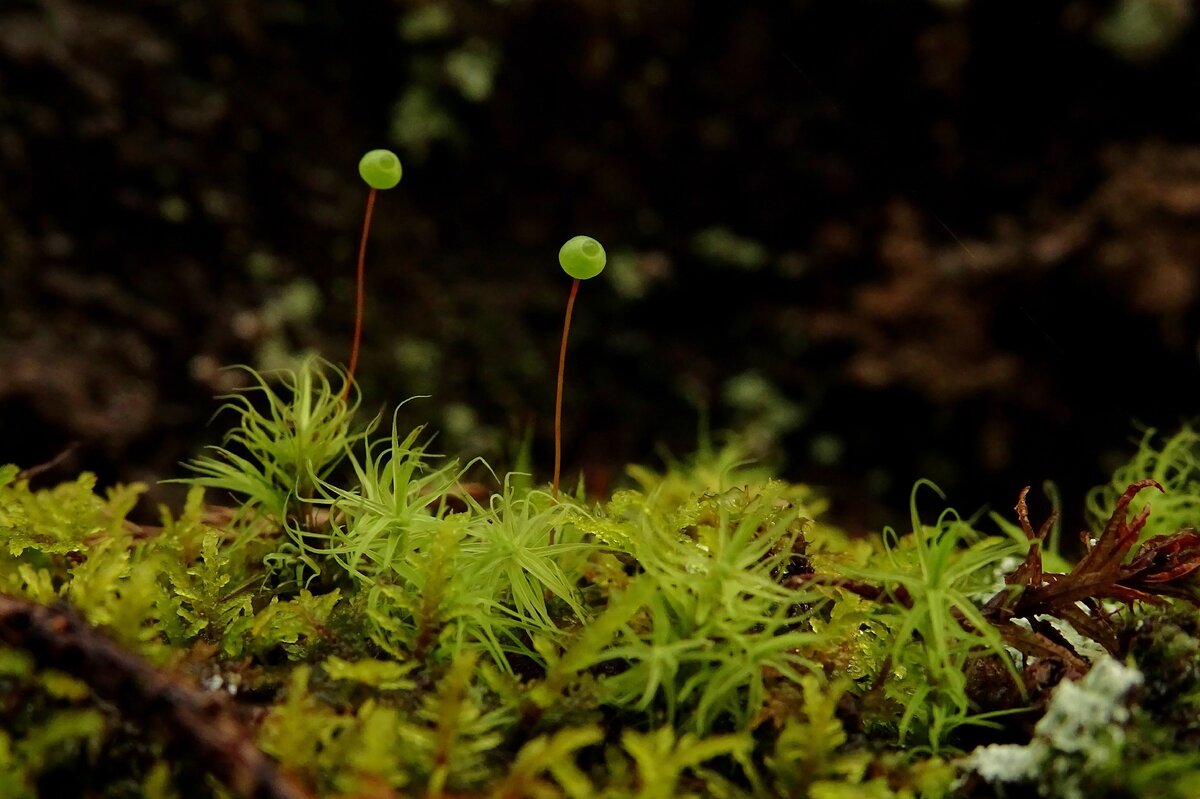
{"x":1164,"y":776}
{"x":398,"y":502}
{"x":1175,"y":464}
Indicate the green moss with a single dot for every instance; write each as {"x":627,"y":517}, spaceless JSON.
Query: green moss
{"x":701,"y":633}
{"x":915,"y":647}
{"x":1174,"y":462}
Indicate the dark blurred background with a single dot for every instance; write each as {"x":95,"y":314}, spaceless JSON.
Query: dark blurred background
{"x":956,"y":240}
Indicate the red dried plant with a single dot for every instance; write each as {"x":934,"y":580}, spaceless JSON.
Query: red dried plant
{"x":1162,"y":566}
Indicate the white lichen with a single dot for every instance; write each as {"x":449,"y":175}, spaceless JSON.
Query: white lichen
{"x":1008,"y":762}
{"x":1081,"y":733}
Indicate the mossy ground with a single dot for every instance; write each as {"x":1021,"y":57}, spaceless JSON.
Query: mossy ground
{"x":379,"y":626}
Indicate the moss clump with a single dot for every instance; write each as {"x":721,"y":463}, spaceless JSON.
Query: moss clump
{"x":379,"y":627}
{"x":1174,"y":463}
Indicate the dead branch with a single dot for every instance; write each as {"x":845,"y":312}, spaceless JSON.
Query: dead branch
{"x":196,"y":721}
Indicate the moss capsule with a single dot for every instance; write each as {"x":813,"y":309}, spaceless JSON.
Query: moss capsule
{"x":380,"y":169}
{"x":582,"y":257}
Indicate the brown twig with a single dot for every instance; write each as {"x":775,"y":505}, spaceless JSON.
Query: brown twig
{"x":53,"y":463}
{"x":199,"y":722}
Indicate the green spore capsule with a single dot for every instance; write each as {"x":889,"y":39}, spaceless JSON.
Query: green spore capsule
{"x":582,"y":257}
{"x":380,"y":169}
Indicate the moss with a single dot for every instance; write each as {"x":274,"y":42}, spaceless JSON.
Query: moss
{"x":702,"y":633}
{"x":1165,"y":644}
{"x":1174,"y":462}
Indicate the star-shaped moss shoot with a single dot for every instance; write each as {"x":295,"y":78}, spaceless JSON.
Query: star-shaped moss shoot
{"x":582,"y":258}
{"x":381,"y":170}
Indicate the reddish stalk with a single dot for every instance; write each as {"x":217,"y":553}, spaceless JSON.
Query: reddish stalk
{"x":562,"y":362}
{"x":359,"y":295}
